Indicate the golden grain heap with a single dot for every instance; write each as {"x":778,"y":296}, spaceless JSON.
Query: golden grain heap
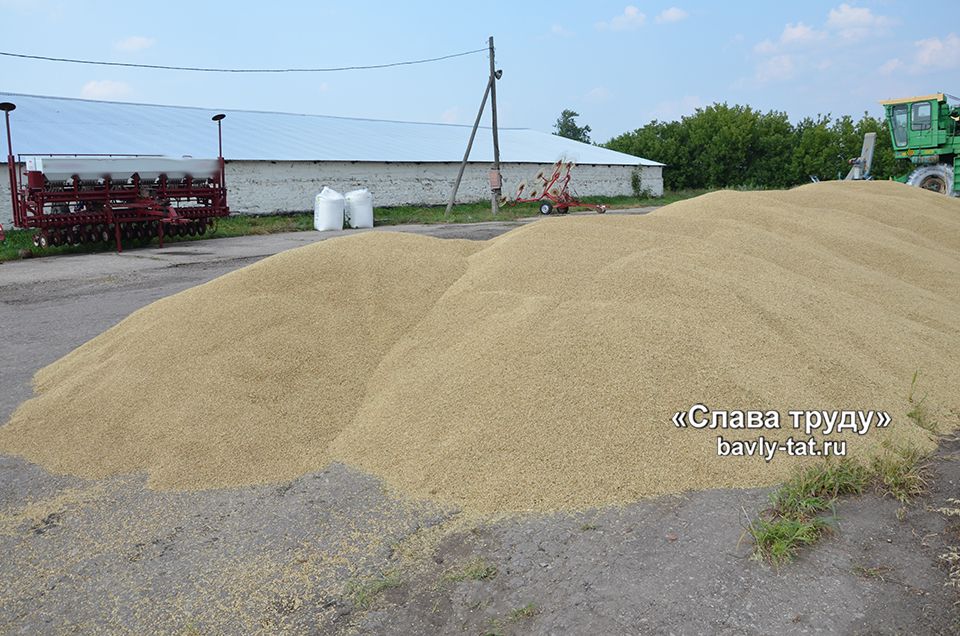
{"x":535,"y":371}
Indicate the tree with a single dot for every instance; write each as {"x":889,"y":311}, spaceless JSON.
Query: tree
{"x":566,"y":126}
{"x":723,"y":146}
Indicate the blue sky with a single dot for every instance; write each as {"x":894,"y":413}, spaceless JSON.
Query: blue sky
{"x":619,"y":64}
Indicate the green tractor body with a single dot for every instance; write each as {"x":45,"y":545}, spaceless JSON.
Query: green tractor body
{"x":926,"y":130}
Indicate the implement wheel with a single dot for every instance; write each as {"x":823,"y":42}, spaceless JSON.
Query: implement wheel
{"x":546,"y":207}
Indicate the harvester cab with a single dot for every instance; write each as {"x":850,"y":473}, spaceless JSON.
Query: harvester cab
{"x":926,"y":130}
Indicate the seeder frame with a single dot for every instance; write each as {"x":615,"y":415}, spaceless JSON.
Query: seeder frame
{"x":79,"y":210}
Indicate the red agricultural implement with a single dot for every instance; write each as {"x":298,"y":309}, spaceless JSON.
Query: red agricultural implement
{"x":75,"y":199}
{"x":553,"y":192}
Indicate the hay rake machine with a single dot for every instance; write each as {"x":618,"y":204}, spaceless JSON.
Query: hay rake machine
{"x":77,"y":199}
{"x":552,"y":190}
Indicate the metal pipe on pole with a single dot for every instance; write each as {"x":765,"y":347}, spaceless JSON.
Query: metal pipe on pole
{"x":466,"y":155}
{"x":7,"y":108}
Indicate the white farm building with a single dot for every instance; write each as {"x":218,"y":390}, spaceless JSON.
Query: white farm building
{"x":277,"y":162}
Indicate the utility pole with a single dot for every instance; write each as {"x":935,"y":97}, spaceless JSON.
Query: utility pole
{"x":496,"y":183}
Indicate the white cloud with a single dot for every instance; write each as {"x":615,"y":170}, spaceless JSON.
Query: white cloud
{"x":891,"y":66}
{"x":856,"y":23}
{"x":800,"y":33}
{"x":630,"y":19}
{"x":765,"y":48}
{"x":134,"y":43}
{"x":597,"y":95}
{"x":673,"y":14}
{"x":105,"y":89}
{"x":450,"y":116}
{"x":778,"y":67}
{"x":935,"y":54}
{"x":559,"y":30}
{"x":792,"y":35}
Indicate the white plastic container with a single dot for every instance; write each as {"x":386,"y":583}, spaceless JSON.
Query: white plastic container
{"x":328,"y":210}
{"x":359,"y":209}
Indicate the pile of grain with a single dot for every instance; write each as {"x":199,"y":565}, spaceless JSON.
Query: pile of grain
{"x":536,"y":371}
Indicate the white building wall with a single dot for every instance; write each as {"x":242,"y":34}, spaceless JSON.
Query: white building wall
{"x":264,"y":187}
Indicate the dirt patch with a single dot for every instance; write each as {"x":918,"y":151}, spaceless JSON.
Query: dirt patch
{"x":536,"y":371}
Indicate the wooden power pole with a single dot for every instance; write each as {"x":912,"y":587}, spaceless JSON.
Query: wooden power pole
{"x":496,"y":187}
{"x":496,"y":183}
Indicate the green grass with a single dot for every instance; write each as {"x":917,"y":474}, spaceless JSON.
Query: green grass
{"x":795,"y":520}
{"x":516,"y":615}
{"x":814,"y":489}
{"x":778,"y":540}
{"x":792,"y":521}
{"x":918,"y":412}
{"x":478,"y":569}
{"x":363,"y":592}
{"x":900,"y":472}
{"x":522,"y":613}
{"x":245,"y":225}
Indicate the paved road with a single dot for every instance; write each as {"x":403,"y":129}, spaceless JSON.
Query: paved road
{"x":227,"y":250}
{"x":111,"y":556}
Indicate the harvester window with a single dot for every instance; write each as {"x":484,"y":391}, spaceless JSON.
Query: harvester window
{"x":900,"y":125}
{"x":921,"y":116}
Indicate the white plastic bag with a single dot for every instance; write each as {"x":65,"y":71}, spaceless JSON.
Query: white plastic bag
{"x":359,"y":208}
{"x":328,"y":210}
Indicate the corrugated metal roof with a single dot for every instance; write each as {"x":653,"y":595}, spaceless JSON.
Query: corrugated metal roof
{"x":63,"y":125}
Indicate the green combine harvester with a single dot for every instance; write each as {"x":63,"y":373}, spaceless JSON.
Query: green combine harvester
{"x":926,"y":130}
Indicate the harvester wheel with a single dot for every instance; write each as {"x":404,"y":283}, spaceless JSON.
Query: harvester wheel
{"x":937,"y":177}
{"x":546,"y":207}
{"x":53,"y":238}
{"x":43,"y":241}
{"x":202,"y":227}
{"x":192,"y":229}
{"x":563,"y":210}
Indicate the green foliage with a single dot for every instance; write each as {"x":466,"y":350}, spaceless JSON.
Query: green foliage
{"x":566,"y":126}
{"x":724,"y":146}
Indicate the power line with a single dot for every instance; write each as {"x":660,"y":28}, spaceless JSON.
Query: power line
{"x":241,"y":70}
